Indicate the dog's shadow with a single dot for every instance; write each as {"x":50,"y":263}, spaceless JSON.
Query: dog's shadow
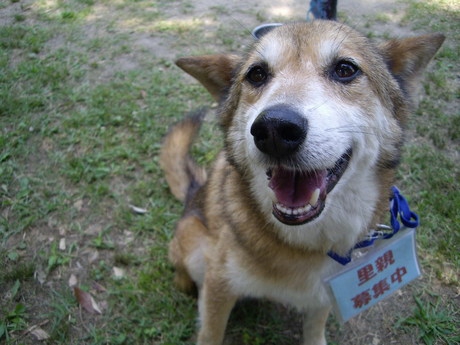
{"x":258,"y":322}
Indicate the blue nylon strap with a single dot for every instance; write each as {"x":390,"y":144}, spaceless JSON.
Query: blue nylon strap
{"x":343,"y":260}
{"x":398,"y":208}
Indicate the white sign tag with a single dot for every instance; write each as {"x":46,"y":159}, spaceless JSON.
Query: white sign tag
{"x":386,"y":268}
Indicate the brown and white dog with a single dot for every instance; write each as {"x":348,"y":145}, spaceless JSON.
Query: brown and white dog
{"x":313,"y":119}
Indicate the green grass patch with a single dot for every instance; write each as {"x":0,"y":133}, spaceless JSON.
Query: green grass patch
{"x":430,"y":168}
{"x":433,"y":323}
{"x":442,"y":18}
{"x":431,"y":181}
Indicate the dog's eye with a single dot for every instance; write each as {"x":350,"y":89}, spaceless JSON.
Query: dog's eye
{"x":345,"y":71}
{"x":257,"y":75}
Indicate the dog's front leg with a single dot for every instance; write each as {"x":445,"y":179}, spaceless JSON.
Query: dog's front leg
{"x":314,"y":325}
{"x":215,"y":304}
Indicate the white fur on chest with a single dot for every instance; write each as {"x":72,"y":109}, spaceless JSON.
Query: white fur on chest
{"x":302,"y":291}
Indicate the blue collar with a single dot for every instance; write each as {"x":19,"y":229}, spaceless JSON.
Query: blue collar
{"x":398,"y":207}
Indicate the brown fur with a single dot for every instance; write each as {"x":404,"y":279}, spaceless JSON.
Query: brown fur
{"x":223,"y":230}
{"x":183,"y":173}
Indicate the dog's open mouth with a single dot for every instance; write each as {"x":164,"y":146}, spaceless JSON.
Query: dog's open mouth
{"x":301,"y":196}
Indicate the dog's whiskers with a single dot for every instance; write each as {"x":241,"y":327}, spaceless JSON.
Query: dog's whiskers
{"x":354,"y":129}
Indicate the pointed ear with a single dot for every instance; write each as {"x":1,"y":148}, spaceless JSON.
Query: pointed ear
{"x":215,"y":72}
{"x":407,"y":58}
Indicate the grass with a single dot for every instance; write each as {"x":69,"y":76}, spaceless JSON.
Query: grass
{"x":431,"y":171}
{"x":433,"y":323}
{"x":13,"y":320}
{"x":87,"y":92}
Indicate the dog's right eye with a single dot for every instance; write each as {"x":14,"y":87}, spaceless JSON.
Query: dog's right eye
{"x":257,"y":75}
{"x":345,"y":71}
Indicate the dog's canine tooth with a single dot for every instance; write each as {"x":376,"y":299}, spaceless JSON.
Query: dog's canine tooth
{"x":315,"y":197}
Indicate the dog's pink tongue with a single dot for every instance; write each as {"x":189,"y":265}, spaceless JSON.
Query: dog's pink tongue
{"x":295,"y":189}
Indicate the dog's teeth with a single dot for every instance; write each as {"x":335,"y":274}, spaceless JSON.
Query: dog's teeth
{"x":306,"y":208}
{"x":286,"y":210}
{"x":283,"y":209}
{"x":293,"y":211}
{"x":315,"y":197}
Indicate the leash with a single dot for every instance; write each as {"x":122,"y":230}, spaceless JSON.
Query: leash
{"x":399,"y":208}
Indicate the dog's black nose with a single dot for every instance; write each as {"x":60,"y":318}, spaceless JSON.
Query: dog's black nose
{"x":279,"y":131}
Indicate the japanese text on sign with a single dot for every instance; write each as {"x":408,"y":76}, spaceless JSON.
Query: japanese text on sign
{"x":382,"y":271}
{"x":369,"y":271}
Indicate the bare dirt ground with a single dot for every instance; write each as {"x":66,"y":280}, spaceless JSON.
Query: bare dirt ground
{"x":248,"y":14}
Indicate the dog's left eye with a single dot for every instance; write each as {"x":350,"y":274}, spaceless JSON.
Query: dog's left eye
{"x":257,"y":75}
{"x":345,"y":71}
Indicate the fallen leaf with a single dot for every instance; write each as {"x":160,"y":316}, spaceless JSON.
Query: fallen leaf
{"x":39,"y":334}
{"x":86,"y":301}
{"x":137,"y":210}
{"x":37,"y":331}
{"x":78,"y":204}
{"x":129,"y":236}
{"x":73,"y":281}
{"x":40,"y":275}
{"x":118,"y":272}
{"x":62,"y":245}
{"x":98,"y":287}
{"x":93,"y":255}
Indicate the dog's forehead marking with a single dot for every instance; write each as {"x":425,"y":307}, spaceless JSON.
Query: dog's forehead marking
{"x":281,"y":50}
{"x":272,"y":50}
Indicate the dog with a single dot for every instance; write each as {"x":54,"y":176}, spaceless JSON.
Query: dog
{"x":312,"y":117}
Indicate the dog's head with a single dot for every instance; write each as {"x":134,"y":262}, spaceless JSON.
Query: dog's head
{"x":313,"y":118}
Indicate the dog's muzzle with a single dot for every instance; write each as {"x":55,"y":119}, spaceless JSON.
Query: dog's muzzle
{"x":279,"y":132}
